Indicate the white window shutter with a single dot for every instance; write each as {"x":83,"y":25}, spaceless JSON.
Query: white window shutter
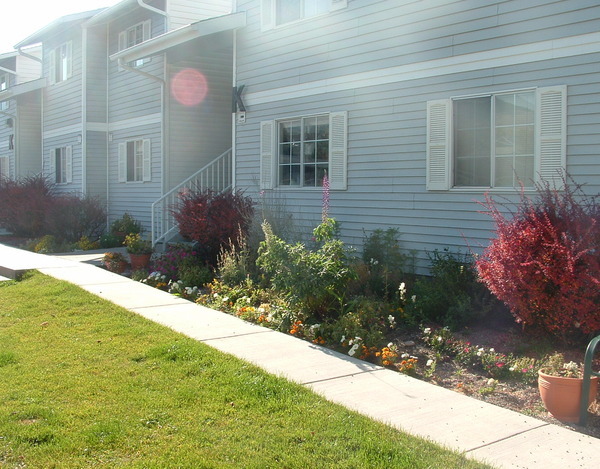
{"x":147,"y":162}
{"x":69,"y":163}
{"x":551,"y":141}
{"x":338,"y":150}
{"x":122,"y":41}
{"x":338,"y":4}
{"x":52,"y":66}
{"x":69,"y":53}
{"x":268,"y":155}
{"x":267,"y":14}
{"x":122,"y":163}
{"x":52,"y":165}
{"x":439,"y":125}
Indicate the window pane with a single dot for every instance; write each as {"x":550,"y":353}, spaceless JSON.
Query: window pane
{"x":524,"y":169}
{"x":505,"y":109}
{"x":315,"y":7}
{"x":524,"y":140}
{"x":504,"y":172}
{"x":284,"y":175}
{"x":323,"y":128}
{"x":472,"y":153}
{"x":321,"y":171}
{"x":296,"y":153}
{"x":323,"y":151}
{"x":130,"y":161}
{"x":310,"y":129}
{"x":295,"y":175}
{"x":310,"y":152}
{"x":505,"y":143}
{"x":524,"y":108}
{"x":309,"y":175}
{"x":288,"y":10}
{"x":285,"y":152}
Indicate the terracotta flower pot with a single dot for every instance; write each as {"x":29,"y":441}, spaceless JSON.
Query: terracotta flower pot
{"x":139,"y":261}
{"x":562,"y":396}
{"x":116,"y":267}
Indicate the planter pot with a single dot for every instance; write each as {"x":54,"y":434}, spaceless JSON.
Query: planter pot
{"x":562,"y":396}
{"x":116,"y":267}
{"x":139,"y":261}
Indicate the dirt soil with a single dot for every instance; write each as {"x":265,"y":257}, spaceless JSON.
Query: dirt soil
{"x":516,"y":396}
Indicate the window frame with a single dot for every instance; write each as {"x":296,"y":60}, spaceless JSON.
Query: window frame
{"x":61,"y":159}
{"x":337,"y":152}
{"x":269,"y":16}
{"x":123,"y":40}
{"x":549,"y":143}
{"x":127,"y":164}
{"x":60,"y":67}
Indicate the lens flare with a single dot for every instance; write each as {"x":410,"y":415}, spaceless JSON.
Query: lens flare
{"x":189,"y":87}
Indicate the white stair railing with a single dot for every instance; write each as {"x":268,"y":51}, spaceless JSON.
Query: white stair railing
{"x":215,"y":176}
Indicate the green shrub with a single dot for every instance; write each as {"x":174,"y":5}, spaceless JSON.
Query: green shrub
{"x":452,"y":296}
{"x":314,"y":280}
{"x":125,"y":225}
{"x":194,"y":273}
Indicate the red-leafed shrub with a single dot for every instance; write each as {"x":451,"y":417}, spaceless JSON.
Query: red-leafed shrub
{"x":545,"y":260}
{"x":71,"y":217}
{"x":214,"y":219}
{"x":23,"y":205}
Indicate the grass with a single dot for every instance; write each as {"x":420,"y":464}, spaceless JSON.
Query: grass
{"x":86,"y":383}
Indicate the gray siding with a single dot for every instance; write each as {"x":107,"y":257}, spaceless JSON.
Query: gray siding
{"x":29,"y":135}
{"x":387,"y":117}
{"x":96,"y":164}
{"x":183,"y":12}
{"x":200,"y":133}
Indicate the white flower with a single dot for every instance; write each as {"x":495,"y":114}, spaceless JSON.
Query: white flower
{"x":353,"y":350}
{"x":491,"y":382}
{"x":405,"y":355}
{"x":391,"y":345}
{"x":391,"y":320}
{"x":343,"y":339}
{"x":414,"y":298}
{"x":430,"y":362}
{"x":225,"y":298}
{"x":440,"y":338}
{"x":492,"y":350}
{"x":512,"y":368}
{"x":427,"y":330}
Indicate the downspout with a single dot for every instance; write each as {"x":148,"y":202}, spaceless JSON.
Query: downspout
{"x":155,"y":10}
{"x":234,"y":114}
{"x":84,"y":41}
{"x":29,"y":56}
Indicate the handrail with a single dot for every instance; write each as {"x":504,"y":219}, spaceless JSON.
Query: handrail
{"x":216,"y":176}
{"x":587,"y":378}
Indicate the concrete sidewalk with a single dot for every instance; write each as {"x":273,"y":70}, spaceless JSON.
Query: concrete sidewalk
{"x":482,"y":431}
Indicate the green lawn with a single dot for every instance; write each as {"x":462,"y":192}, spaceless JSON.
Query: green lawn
{"x":85,"y":383}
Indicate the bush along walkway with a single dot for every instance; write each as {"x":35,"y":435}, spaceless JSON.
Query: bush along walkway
{"x":411,"y":405}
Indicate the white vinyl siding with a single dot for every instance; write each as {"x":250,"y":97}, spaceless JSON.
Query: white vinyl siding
{"x":4,"y":168}
{"x":297,"y":152}
{"x":61,"y":164}
{"x":134,"y":161}
{"x":135,"y":35}
{"x":3,"y":87}
{"x":280,"y":12}
{"x":60,"y":63}
{"x":498,"y":140}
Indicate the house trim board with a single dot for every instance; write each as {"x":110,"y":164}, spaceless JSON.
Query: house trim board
{"x":513,"y":55}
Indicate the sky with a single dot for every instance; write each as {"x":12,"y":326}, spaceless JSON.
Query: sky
{"x":24,"y":17}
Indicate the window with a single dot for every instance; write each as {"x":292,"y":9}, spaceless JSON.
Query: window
{"x":61,"y":164}
{"x":134,"y":161}
{"x":279,"y":12}
{"x":135,"y":35}
{"x":298,"y":152}
{"x":61,"y":63}
{"x":497,"y":140}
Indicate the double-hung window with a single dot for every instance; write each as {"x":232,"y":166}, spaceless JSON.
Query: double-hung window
{"x":279,"y":12}
{"x":134,"y":161}
{"x":61,"y":164}
{"x":298,"y":152}
{"x":498,"y":140}
{"x":135,"y":35}
{"x":60,"y":63}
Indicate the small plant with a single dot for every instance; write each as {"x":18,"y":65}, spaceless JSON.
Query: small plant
{"x":193,"y":273}
{"x":555,"y":365}
{"x":114,"y":261}
{"x":85,"y":244}
{"x":168,"y":263}
{"x":135,"y":244}
{"x":125,"y":225}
